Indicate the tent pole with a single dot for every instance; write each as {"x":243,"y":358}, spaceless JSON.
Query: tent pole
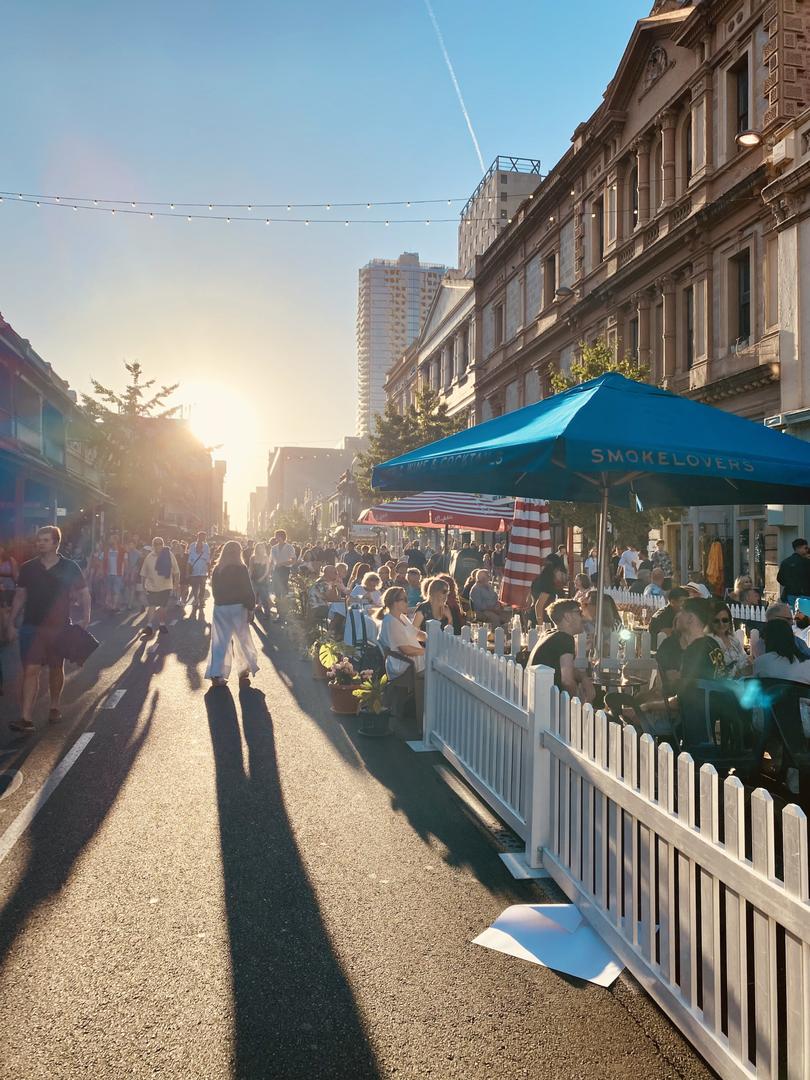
{"x":602,"y":579}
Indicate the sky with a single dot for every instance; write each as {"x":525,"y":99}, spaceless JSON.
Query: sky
{"x":261,"y":103}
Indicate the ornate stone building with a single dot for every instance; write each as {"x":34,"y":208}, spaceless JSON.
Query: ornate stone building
{"x":665,"y":230}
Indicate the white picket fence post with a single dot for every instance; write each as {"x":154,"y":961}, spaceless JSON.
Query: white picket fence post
{"x":538,"y":802}
{"x":432,"y":651}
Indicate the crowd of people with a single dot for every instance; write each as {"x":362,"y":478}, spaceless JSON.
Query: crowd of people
{"x":369,"y":594}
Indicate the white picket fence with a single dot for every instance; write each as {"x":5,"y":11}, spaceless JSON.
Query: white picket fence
{"x":703,"y":895}
{"x":624,"y":598}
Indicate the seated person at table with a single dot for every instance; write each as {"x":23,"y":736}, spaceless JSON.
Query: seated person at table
{"x":702,"y":657}
{"x":662,"y":621}
{"x":782,"y":659}
{"x":558,"y":649}
{"x":434,"y":606}
{"x":398,"y":634}
{"x":367,"y":591}
{"x":741,"y":586}
{"x":324,"y":592}
{"x":485,"y":603}
{"x":546,"y":588}
{"x":413,"y":588}
{"x":582,"y":586}
{"x":656,"y":586}
{"x":642,"y":580}
{"x":735,"y":657}
{"x":611,"y":620}
{"x":776,"y":612}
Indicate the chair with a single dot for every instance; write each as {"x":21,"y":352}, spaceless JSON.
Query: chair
{"x":713,"y":725}
{"x":400,"y":689}
{"x":780,"y":701}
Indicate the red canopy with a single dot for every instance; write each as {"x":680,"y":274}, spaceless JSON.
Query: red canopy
{"x":437,"y":509}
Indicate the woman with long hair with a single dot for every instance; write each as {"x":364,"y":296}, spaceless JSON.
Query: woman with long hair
{"x":435,"y":591}
{"x":735,"y":658}
{"x":359,"y":571}
{"x":453,"y":603}
{"x":234,"y":601}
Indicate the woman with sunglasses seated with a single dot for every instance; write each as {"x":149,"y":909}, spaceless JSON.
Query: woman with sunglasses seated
{"x":735,"y":659}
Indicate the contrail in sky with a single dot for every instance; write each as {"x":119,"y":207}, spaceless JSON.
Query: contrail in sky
{"x":449,"y":63}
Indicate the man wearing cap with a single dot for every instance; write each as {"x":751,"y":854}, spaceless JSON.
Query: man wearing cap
{"x":801,"y":621}
{"x":794,"y":572}
{"x":779,"y":610}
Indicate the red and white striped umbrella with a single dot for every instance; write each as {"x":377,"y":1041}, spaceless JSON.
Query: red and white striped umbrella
{"x":435,"y":509}
{"x":529,"y":545}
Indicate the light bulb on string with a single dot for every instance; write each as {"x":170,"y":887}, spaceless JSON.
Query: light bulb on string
{"x":58,"y":198}
{"x":75,"y":208}
{"x":407,"y":204}
{"x":38,"y":202}
{"x":151,"y":215}
{"x":132,"y":205}
{"x":346,"y":224}
{"x":227,"y":221}
{"x":250,"y":208}
{"x":306,"y":223}
{"x":95,"y":202}
{"x":328,"y":206}
{"x":267,"y":221}
{"x":210,"y":206}
{"x":188,"y":219}
{"x":388,"y":223}
{"x":288,"y":208}
{"x":113,"y":213}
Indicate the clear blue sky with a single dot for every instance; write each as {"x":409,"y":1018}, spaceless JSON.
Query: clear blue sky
{"x":267,"y":102}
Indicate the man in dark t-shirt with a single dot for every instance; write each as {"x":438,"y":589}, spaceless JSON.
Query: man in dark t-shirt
{"x":558,"y":649}
{"x":663,"y":620}
{"x":702,"y":657}
{"x":46,"y":586}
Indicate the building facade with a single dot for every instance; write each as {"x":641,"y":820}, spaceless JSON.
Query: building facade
{"x":306,"y":476}
{"x":48,"y":471}
{"x":393,"y":299}
{"x":663,"y":232}
{"x":504,"y":186}
{"x":442,"y":355}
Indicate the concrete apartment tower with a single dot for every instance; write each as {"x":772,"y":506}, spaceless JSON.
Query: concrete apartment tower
{"x":392,"y":301}
{"x":490,"y":208}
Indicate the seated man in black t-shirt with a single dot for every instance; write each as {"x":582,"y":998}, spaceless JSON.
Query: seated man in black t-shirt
{"x":558,"y":649}
{"x":663,"y":620}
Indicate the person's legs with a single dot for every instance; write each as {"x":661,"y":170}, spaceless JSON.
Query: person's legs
{"x":30,"y":688}
{"x":149,"y":624}
{"x":219,"y":656}
{"x":56,"y":683}
{"x":248,"y":661}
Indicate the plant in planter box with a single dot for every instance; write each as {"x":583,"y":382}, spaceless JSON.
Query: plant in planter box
{"x":321,"y":664}
{"x":370,"y":694}
{"x":343,"y":678}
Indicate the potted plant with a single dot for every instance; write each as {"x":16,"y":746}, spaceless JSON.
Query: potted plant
{"x":324,"y":653}
{"x":375,"y":717}
{"x":343,"y":678}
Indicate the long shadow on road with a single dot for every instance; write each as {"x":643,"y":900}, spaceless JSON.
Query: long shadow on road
{"x":295,"y":1016}
{"x":68,"y":822}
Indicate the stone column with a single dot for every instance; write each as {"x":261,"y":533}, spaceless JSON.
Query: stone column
{"x":670,"y":315}
{"x":668,"y":120}
{"x":643,"y":308}
{"x":642,"y":147}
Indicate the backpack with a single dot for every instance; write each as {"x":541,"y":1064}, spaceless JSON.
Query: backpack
{"x":368,"y":655}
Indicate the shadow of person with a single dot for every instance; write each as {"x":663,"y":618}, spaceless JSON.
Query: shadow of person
{"x":294,"y":1012}
{"x":57,"y":838}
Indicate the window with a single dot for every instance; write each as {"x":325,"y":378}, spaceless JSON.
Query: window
{"x":498,"y":313}
{"x":463,"y":351}
{"x":632,"y":338}
{"x":740,"y":297}
{"x":738,"y":94}
{"x":598,"y":230}
{"x":549,"y":278}
{"x":689,"y":325}
{"x":634,"y":195}
{"x":687,"y":147}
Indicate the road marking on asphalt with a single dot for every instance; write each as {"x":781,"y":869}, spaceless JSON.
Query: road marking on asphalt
{"x":10,"y":781}
{"x":35,"y":804}
{"x":113,"y":699}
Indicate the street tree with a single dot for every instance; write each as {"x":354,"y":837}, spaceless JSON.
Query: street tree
{"x":137,"y":476}
{"x":395,"y":432}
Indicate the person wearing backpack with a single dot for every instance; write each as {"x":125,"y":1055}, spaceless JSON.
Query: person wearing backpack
{"x":160,"y":574}
{"x":199,"y":559}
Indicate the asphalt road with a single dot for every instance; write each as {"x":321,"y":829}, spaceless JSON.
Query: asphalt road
{"x":237,"y":885}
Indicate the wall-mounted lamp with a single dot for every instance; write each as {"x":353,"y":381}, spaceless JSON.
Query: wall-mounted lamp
{"x":748,"y":139}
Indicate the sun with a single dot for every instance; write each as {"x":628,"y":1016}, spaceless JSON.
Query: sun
{"x":219,"y":415}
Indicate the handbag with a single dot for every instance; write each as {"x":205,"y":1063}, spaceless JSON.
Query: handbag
{"x":368,"y":656}
{"x":77,"y":644}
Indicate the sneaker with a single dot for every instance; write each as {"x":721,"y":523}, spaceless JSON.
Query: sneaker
{"x":147,"y":632}
{"x":22,"y":725}
{"x":163,"y":629}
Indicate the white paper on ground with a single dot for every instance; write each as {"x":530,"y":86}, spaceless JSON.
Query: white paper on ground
{"x":555,"y":936}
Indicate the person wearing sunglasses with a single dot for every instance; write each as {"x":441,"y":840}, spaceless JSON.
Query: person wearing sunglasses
{"x":735,"y":658}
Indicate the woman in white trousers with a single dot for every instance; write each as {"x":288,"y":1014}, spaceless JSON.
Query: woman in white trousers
{"x":234,"y":602}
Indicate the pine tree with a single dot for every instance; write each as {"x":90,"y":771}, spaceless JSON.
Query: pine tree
{"x":424,"y":421}
{"x":136,"y":475}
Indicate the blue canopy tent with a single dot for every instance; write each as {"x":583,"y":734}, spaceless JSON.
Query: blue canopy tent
{"x":612,"y":441}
